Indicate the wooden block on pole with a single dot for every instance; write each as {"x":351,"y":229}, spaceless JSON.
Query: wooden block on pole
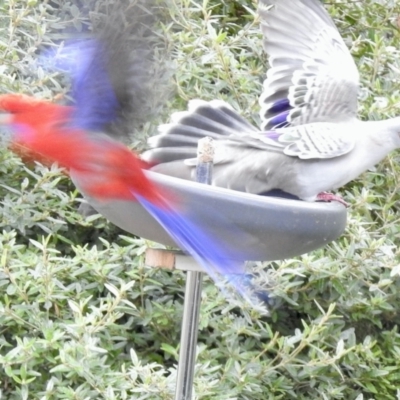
{"x":170,"y":259}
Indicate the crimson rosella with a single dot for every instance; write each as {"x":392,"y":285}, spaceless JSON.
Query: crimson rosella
{"x":73,"y":137}
{"x":107,"y":170}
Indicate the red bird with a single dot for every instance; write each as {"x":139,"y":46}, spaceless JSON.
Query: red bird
{"x":108,"y":170}
{"x":73,"y":136}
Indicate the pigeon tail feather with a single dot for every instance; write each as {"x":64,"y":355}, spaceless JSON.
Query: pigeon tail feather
{"x":178,"y":139}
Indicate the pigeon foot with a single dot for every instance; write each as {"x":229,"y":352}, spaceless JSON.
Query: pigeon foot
{"x":325,"y":196}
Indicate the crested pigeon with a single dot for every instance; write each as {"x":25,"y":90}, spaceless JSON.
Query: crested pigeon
{"x":310,"y":140}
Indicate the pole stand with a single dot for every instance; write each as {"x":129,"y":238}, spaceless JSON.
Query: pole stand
{"x":194,"y":283}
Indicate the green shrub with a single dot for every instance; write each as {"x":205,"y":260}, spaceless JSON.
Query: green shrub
{"x":80,"y":316}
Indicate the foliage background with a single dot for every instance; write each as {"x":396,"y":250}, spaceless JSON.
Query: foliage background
{"x":82,"y":318}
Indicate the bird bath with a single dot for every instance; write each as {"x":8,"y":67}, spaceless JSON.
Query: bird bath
{"x":274,"y":228}
{"x":261,"y":228}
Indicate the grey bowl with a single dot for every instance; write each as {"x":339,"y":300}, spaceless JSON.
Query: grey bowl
{"x":260,"y":228}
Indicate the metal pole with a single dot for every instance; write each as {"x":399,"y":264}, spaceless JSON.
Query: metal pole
{"x":192,"y":300}
{"x":190,"y":324}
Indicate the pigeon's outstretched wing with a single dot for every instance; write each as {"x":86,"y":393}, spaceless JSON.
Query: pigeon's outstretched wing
{"x":312,"y":76}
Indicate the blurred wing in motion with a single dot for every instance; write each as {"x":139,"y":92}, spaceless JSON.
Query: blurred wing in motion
{"x":121,"y":75}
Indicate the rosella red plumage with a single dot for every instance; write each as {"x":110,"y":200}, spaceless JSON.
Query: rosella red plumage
{"x":49,"y":138}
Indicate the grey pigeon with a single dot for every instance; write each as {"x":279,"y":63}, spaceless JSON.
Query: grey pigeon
{"x":310,"y":141}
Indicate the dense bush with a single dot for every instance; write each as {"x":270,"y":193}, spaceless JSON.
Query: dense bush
{"x":82,"y":318}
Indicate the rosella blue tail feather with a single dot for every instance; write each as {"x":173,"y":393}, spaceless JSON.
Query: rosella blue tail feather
{"x":216,"y":258}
